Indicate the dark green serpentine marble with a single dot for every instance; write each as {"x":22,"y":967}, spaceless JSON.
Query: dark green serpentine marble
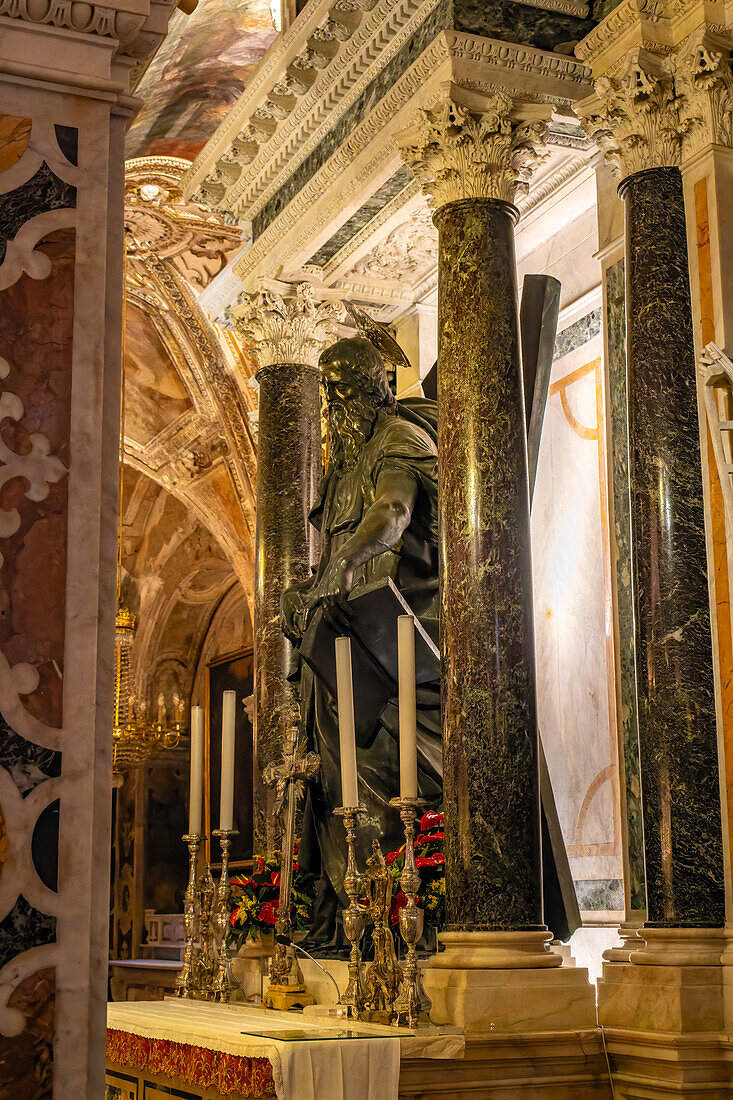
{"x":289,"y":465}
{"x":491,"y":794}
{"x":615,"y":308}
{"x":676,"y":706}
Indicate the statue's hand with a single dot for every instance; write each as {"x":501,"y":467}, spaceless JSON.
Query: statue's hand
{"x":292,"y":613}
{"x":333,"y":592}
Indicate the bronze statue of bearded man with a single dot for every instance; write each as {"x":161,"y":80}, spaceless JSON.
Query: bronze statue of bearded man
{"x":377,"y":513}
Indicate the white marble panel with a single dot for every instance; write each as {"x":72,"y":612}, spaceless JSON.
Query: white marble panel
{"x":572,"y":597}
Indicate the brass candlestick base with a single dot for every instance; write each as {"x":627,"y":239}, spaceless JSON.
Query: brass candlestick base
{"x":223,"y":984}
{"x":412,"y":1002}
{"x":354,"y":918}
{"x":188,"y":979}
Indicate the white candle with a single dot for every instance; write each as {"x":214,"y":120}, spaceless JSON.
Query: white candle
{"x":408,"y":706}
{"x":228,"y":711}
{"x":347,"y":733}
{"x":197,"y":770}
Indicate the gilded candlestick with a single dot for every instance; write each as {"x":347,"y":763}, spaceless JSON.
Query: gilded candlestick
{"x":223,"y":984}
{"x":354,"y":918}
{"x":187,"y":980}
{"x":412,"y":1001}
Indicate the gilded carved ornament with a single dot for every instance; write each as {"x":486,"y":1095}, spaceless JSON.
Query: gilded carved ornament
{"x":286,"y":330}
{"x":457,"y":154}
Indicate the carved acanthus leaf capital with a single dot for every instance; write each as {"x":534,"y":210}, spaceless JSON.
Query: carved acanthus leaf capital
{"x":286,"y":330}
{"x":704,"y":86}
{"x":634,"y":115}
{"x":457,"y":153}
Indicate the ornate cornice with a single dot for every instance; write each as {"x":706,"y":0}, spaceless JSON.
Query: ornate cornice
{"x":521,"y":67}
{"x":460,"y":154}
{"x":634,"y":115}
{"x":642,"y":18}
{"x":286,"y":330}
{"x":267,"y":135}
{"x":137,"y":33}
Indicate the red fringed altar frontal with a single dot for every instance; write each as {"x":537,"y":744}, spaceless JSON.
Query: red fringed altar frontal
{"x":229,"y":1074}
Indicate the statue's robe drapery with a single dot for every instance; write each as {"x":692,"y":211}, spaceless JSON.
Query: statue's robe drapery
{"x":344,"y":496}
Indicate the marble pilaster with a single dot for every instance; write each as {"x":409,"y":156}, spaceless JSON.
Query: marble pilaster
{"x":64,"y":104}
{"x":288,"y":334}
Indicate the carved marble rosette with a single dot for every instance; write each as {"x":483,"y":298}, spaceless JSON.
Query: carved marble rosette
{"x":460,"y":153}
{"x":292,"y":329}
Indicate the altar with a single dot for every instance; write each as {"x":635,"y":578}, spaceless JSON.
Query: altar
{"x":204,"y":1051}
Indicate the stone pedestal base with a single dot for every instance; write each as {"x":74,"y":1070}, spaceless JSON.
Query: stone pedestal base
{"x":663,"y":1017}
{"x":530,"y":1023}
{"x":508,"y":983}
{"x":565,"y":1065}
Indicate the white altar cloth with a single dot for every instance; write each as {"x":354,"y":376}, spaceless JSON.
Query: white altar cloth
{"x":366,"y":1068}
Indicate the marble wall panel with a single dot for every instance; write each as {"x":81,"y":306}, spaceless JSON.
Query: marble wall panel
{"x":362,"y":217}
{"x":572,"y":595}
{"x":36,"y":331}
{"x":510,"y":21}
{"x":38,"y":191}
{"x":26,"y":1061}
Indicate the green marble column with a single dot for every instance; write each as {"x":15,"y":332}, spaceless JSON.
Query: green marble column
{"x":289,"y":465}
{"x":492,"y":837}
{"x":674,"y":664}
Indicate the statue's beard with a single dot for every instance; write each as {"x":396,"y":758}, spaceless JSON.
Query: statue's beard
{"x":349,"y":427}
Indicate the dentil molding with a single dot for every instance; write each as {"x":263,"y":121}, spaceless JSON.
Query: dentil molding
{"x":286,"y":330}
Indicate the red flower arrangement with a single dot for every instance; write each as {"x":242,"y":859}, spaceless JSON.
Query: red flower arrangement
{"x":430,"y":862}
{"x":254,"y":900}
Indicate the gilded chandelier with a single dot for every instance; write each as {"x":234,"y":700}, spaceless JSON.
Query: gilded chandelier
{"x":134,"y":737}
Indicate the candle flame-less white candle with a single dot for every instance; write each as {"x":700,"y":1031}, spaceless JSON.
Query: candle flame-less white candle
{"x":197,"y":770}
{"x":347,"y":731}
{"x":228,"y":713}
{"x":408,"y":706}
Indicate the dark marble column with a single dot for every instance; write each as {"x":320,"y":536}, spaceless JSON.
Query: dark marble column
{"x":289,"y":465}
{"x":492,"y":840}
{"x":676,"y":695}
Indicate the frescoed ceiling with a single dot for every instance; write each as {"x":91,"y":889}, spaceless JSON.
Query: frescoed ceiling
{"x":198,"y":74}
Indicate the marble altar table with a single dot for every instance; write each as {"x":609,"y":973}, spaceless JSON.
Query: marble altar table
{"x":205,"y":1051}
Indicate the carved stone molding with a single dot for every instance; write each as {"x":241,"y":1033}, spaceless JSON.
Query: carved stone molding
{"x":138,"y":32}
{"x":634,"y":115}
{"x":461,"y":154}
{"x":286,"y":330}
{"x":704,"y":86}
{"x":159,"y":222}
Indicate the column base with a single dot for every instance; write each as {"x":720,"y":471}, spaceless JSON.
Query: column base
{"x":628,"y":933}
{"x":507,"y":983}
{"x":663,"y":1017}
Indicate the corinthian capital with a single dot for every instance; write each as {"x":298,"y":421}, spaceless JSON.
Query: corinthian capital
{"x":286,"y":330}
{"x":459,"y":153}
{"x":634,"y":115}
{"x":704,"y":86}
